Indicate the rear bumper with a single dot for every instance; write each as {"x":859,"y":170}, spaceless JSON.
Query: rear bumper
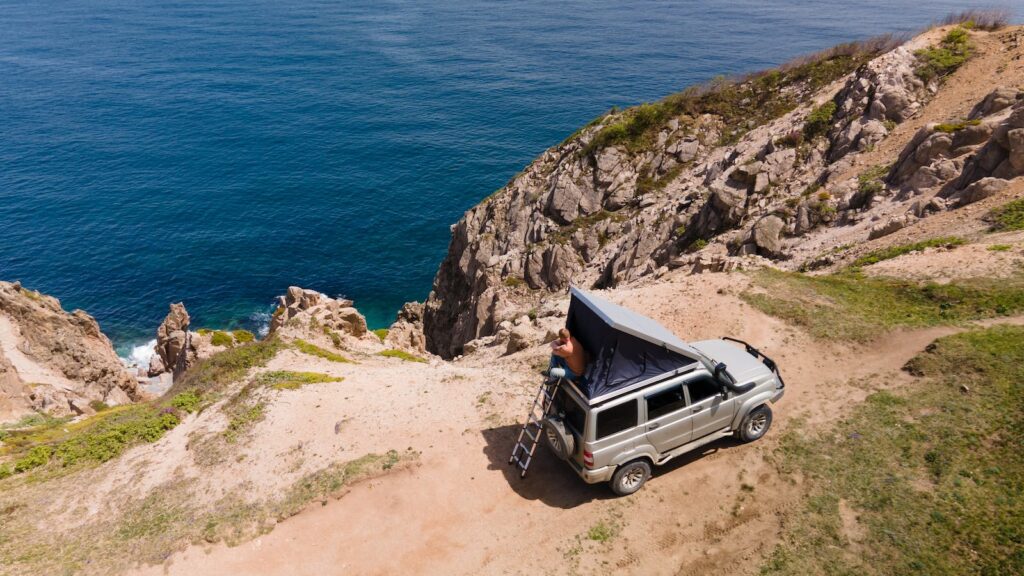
{"x":595,"y":476}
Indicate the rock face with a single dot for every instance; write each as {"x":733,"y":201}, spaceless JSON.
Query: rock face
{"x":407,"y":331}
{"x":54,"y":361}
{"x":597,"y":215}
{"x":309,"y":309}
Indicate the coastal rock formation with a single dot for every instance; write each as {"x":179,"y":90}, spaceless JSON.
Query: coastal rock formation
{"x":55,"y":361}
{"x":753,"y":167}
{"x":175,"y":351}
{"x":301,"y":310}
{"x":406,"y":333}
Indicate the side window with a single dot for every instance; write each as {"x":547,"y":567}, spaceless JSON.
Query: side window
{"x":616,"y":419}
{"x":665,"y":402}
{"x":702,"y":388}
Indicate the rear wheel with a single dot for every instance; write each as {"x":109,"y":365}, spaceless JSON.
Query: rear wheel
{"x":756,"y":423}
{"x":630,"y":477}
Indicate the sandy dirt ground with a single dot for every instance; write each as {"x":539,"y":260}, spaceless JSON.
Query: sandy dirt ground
{"x":463,"y":510}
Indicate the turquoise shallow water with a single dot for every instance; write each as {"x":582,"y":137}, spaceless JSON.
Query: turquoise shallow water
{"x":218,"y":151}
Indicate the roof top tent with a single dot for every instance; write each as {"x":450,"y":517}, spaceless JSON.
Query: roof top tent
{"x":626,"y":350}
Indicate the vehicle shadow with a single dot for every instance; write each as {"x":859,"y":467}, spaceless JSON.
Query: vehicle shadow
{"x":554,"y":483}
{"x":549,"y":480}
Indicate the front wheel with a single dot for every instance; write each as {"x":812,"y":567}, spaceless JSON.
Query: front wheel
{"x":756,"y":423}
{"x":630,"y":477}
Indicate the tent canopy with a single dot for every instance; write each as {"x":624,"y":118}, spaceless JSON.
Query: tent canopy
{"x":624,"y":348}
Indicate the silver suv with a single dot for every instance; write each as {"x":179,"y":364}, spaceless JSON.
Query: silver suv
{"x":618,"y":437}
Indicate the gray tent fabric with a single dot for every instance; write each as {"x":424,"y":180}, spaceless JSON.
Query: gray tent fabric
{"x":624,"y":347}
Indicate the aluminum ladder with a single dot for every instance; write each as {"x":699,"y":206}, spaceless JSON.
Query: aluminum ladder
{"x":532,"y":430}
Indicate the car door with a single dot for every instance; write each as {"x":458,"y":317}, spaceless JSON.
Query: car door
{"x":711,"y":411}
{"x":669,"y":421}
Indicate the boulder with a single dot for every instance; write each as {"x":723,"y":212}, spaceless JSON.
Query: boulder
{"x":889,"y":226}
{"x":520,"y":337}
{"x":767,"y":236}
{"x":407,"y":331}
{"x":980,"y":190}
{"x":996,"y":100}
{"x":173,"y":342}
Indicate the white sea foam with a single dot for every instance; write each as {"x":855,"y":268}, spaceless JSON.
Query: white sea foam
{"x":140,"y":354}
{"x":262,"y":321}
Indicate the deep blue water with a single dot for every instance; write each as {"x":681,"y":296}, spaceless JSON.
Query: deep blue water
{"x":218,"y":151}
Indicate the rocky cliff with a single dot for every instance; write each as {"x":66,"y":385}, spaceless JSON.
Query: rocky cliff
{"x":55,"y":361}
{"x":734,"y":170}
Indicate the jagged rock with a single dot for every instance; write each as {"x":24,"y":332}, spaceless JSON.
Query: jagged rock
{"x":996,"y":100}
{"x":173,"y":342}
{"x":980,"y":190}
{"x":407,"y":331}
{"x":68,"y":360}
{"x":767,"y":236}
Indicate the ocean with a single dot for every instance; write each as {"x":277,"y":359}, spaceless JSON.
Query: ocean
{"x":216,"y":152}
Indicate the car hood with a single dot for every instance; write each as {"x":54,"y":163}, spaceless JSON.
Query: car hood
{"x":741,"y":366}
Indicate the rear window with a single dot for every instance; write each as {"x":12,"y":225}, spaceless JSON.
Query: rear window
{"x":574,"y":414}
{"x":616,"y":419}
{"x":665,"y":402}
{"x":702,"y":388}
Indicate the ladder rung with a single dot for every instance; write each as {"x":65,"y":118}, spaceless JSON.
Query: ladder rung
{"x":533,"y":438}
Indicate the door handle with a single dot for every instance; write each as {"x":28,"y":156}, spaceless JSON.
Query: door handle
{"x":653,"y":425}
{"x":698,"y":408}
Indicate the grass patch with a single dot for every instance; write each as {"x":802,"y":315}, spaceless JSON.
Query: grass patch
{"x":953,"y":127}
{"x":94,"y":440}
{"x":243,"y":336}
{"x":934,"y":476}
{"x":401,"y":355}
{"x":602,"y":531}
{"x":999,"y":247}
{"x":381,"y":333}
{"x":242,"y":418}
{"x":1009,"y":216}
{"x":221,"y":338}
{"x":894,"y":251}
{"x":215,"y":373}
{"x":943,"y":59}
{"x":287,"y":380}
{"x":314,"y":350}
{"x":851,"y":306}
{"x":742,"y":103}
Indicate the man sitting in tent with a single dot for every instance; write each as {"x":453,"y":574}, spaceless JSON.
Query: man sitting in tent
{"x":567,"y":354}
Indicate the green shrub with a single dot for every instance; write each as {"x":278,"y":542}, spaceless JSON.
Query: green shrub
{"x":894,"y":251}
{"x":602,"y":532}
{"x":740,"y":104}
{"x":36,"y":457}
{"x":188,"y":401}
{"x":109,"y":437}
{"x":381,"y":333}
{"x":314,"y":350}
{"x":698,"y":245}
{"x":401,"y":355}
{"x":288,"y":380}
{"x":204,"y":331}
{"x":1009,"y":216}
{"x":242,"y":419}
{"x":5,"y":471}
{"x":999,"y":247}
{"x":514,"y":282}
{"x":243,"y":336}
{"x":819,"y":120}
{"x":221,"y":338}
{"x":954,"y":127}
{"x":98,"y":405}
{"x":942,"y":60}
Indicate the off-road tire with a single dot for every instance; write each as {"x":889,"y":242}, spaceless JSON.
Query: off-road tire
{"x":755,"y":424}
{"x":630,"y":477}
{"x":560,"y":440}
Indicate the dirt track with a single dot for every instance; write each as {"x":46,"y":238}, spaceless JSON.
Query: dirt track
{"x":463,"y":510}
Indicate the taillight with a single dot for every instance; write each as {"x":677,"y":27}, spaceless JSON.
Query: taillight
{"x":588,"y":459}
